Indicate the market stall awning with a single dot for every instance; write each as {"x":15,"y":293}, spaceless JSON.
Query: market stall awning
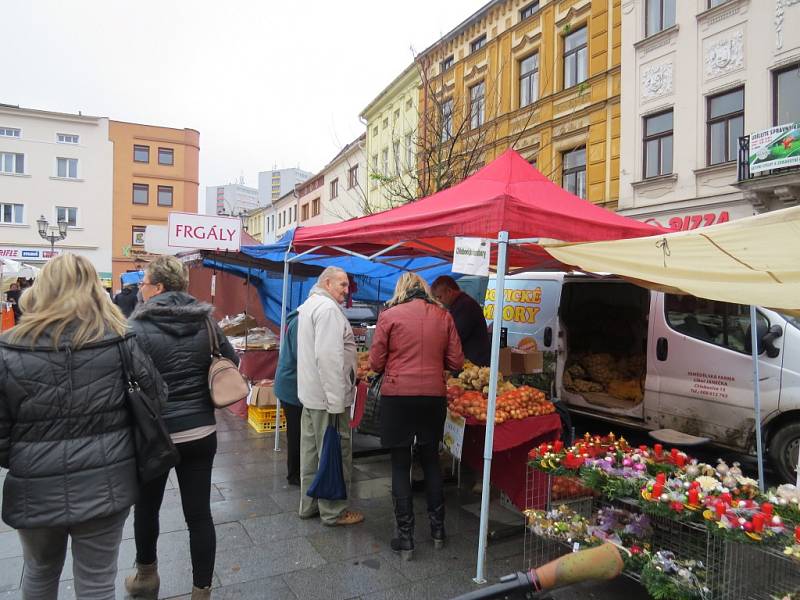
{"x":506,"y":195}
{"x":755,"y":260}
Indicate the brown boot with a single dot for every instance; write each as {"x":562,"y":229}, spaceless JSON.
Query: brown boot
{"x":145,"y":583}
{"x":201,"y":593}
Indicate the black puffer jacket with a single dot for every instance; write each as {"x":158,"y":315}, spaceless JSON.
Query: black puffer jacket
{"x":171,"y":328}
{"x":65,"y":433}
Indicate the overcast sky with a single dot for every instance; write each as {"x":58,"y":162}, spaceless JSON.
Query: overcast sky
{"x":266,"y":83}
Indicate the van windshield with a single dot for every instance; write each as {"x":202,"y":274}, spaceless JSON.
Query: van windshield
{"x":793,"y":320}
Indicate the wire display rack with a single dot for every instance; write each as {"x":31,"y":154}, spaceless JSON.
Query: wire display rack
{"x":734,"y":570}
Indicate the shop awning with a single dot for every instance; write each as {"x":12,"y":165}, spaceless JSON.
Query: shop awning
{"x":755,"y":260}
{"x":508,"y":194}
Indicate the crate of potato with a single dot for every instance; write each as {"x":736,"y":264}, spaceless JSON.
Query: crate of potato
{"x":520,"y":403}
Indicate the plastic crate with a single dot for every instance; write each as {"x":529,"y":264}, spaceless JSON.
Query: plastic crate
{"x":263,"y":419}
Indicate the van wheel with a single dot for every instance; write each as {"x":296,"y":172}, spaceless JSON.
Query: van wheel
{"x":783,"y":451}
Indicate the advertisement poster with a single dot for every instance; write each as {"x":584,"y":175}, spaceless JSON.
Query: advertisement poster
{"x":775,"y":148}
{"x":530,"y":306}
{"x":471,"y":256}
{"x":454,"y":434}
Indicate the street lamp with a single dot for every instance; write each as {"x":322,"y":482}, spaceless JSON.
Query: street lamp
{"x":51,"y":234}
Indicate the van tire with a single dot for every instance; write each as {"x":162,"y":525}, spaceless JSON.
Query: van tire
{"x":785,"y":441}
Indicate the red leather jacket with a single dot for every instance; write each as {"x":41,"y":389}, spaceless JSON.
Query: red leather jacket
{"x":414,"y":343}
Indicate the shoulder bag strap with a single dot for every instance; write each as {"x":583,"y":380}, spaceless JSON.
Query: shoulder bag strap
{"x":127,"y":362}
{"x":212,"y":337}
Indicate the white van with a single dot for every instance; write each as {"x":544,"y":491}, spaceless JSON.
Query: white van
{"x":621,"y":353}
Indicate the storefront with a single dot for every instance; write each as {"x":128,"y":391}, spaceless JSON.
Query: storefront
{"x":688,"y":215}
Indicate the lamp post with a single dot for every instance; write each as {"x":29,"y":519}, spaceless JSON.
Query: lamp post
{"x":52,"y":234}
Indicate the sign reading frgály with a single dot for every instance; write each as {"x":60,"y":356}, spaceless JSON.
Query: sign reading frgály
{"x":204,"y":232}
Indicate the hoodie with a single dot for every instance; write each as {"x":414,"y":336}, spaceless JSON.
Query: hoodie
{"x":171,"y":328}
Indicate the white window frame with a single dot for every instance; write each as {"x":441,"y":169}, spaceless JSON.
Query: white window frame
{"x":12,"y":222}
{"x":67,"y":209}
{"x":67,"y":138}
{"x":409,"y":150}
{"x":67,"y":167}
{"x":13,"y":170}
{"x":385,"y":162}
{"x":11,"y":132}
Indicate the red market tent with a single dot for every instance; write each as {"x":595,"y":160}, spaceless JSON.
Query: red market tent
{"x":508,"y":195}
{"x":508,"y":203}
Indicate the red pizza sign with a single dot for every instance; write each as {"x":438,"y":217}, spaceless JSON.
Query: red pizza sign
{"x":687,"y":222}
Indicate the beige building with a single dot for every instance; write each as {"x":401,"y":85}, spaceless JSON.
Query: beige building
{"x":345,"y":192}
{"x":697,"y":75}
{"x":284,"y":214}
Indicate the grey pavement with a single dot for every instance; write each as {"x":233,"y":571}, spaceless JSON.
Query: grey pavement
{"x":265,"y":551}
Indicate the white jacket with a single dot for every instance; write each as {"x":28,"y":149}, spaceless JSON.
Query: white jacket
{"x":326,"y":354}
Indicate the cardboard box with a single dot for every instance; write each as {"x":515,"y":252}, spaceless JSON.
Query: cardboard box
{"x":520,"y":363}
{"x":263,"y":396}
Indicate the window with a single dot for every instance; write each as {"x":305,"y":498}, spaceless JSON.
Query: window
{"x":67,"y":167}
{"x":576,"y":56}
{"x":334,"y":188}
{"x":68,"y":214}
{"x":11,"y":214}
{"x":315,"y":207}
{"x":137,"y":235}
{"x":141,"y":193}
{"x":658,"y":144}
{"x":352,"y":177}
{"x":396,"y":116}
{"x":477,"y":43}
{"x":141,"y":154}
{"x":374,"y":163}
{"x":447,"y":120}
{"x":528,"y":80}
{"x":713,"y":3}
{"x":409,"y":150}
{"x":374,"y":131}
{"x":659,"y":15}
{"x":165,"y":195}
{"x":447,"y":63}
{"x":786,"y":96}
{"x":11,"y":162}
{"x":9,"y":132}
{"x":725,"y":126}
{"x":67,"y":138}
{"x":396,"y":156}
{"x":166,"y":156}
{"x":719,"y":323}
{"x":385,"y":162}
{"x":304,"y":212}
{"x":574,"y":172}
{"x":385,"y":123}
{"x":528,"y":11}
{"x":477,"y":104}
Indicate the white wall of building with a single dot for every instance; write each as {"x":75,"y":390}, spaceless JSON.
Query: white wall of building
{"x":347,"y":173}
{"x":278,"y":182}
{"x":285,"y":214}
{"x":233,"y":198}
{"x":708,"y":51}
{"x":39,"y":189}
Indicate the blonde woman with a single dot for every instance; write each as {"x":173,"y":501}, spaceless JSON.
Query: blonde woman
{"x":415,"y":341}
{"x":65,"y":433}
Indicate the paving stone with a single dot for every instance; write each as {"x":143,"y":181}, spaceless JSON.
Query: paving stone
{"x":282,"y":526}
{"x":10,"y":545}
{"x":443,"y":586}
{"x":246,"y":564}
{"x":10,"y":573}
{"x":288,"y":500}
{"x":272,"y":588}
{"x":345,"y":579}
{"x":338,"y":543}
{"x":252,"y":488}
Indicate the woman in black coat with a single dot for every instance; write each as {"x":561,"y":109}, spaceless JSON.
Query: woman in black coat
{"x":171,"y":327}
{"x":65,"y":433}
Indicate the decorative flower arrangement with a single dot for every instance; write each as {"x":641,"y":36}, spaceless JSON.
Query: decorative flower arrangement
{"x":667,"y":578}
{"x":562,"y":524}
{"x":621,"y":527}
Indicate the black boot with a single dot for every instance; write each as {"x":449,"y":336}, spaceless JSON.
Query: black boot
{"x":404,"y":515}
{"x":436,"y":516}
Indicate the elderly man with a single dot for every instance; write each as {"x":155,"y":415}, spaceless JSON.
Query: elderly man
{"x":326,"y":373}
{"x":468,"y":316}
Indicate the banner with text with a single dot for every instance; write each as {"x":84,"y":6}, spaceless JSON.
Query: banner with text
{"x":204,"y":232}
{"x":471,"y":256}
{"x":453,"y":438}
{"x":775,"y":148}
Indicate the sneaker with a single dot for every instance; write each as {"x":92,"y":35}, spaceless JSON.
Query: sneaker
{"x":348,"y":517}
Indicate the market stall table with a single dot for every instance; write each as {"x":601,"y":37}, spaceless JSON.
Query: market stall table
{"x":512,"y":442}
{"x":255,"y":365}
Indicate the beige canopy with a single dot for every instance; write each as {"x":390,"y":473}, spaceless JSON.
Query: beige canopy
{"x":750,"y":261}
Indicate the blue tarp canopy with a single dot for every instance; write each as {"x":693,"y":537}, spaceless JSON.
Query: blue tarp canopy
{"x":132,"y":277}
{"x":375,"y":281}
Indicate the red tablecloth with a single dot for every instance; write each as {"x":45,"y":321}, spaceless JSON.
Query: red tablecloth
{"x":255,"y":365}
{"x":512,"y":442}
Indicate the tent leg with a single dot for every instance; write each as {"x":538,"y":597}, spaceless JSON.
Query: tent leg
{"x":488,"y":444}
{"x":284,"y":302}
{"x":757,"y":396}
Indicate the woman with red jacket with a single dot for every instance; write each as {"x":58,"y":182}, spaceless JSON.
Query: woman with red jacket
{"x":415,"y":341}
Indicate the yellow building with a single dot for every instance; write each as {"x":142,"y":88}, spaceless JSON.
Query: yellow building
{"x":156,"y":171}
{"x":391,"y":140}
{"x":254,"y":223}
{"x":541,"y":77}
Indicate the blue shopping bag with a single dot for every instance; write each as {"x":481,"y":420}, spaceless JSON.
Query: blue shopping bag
{"x":329,"y":481}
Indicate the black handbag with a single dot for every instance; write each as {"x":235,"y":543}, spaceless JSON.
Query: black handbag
{"x":371,"y":420}
{"x":155,"y":452}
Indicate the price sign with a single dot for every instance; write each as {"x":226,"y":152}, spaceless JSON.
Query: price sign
{"x":454,"y":434}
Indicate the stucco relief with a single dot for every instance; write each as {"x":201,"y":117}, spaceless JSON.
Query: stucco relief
{"x":780,"y":9}
{"x":725,"y":55}
{"x":656,"y":81}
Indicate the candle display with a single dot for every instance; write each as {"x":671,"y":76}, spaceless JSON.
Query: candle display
{"x":694,"y":496}
{"x":720,"y":508}
{"x":658,"y":487}
{"x":758,"y":522}
{"x":558,"y":445}
{"x":766,"y":508}
{"x":658,"y":449}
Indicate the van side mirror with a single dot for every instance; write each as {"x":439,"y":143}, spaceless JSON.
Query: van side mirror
{"x":768,"y":341}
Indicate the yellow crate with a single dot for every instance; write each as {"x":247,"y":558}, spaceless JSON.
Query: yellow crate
{"x":263,"y":419}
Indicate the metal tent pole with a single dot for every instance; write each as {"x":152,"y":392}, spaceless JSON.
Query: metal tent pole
{"x":488,"y":444}
{"x":757,"y":395}
{"x":284,"y":302}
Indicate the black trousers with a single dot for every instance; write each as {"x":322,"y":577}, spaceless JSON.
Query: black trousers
{"x":401,"y":473}
{"x":194,"y":481}
{"x":293,"y":414}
